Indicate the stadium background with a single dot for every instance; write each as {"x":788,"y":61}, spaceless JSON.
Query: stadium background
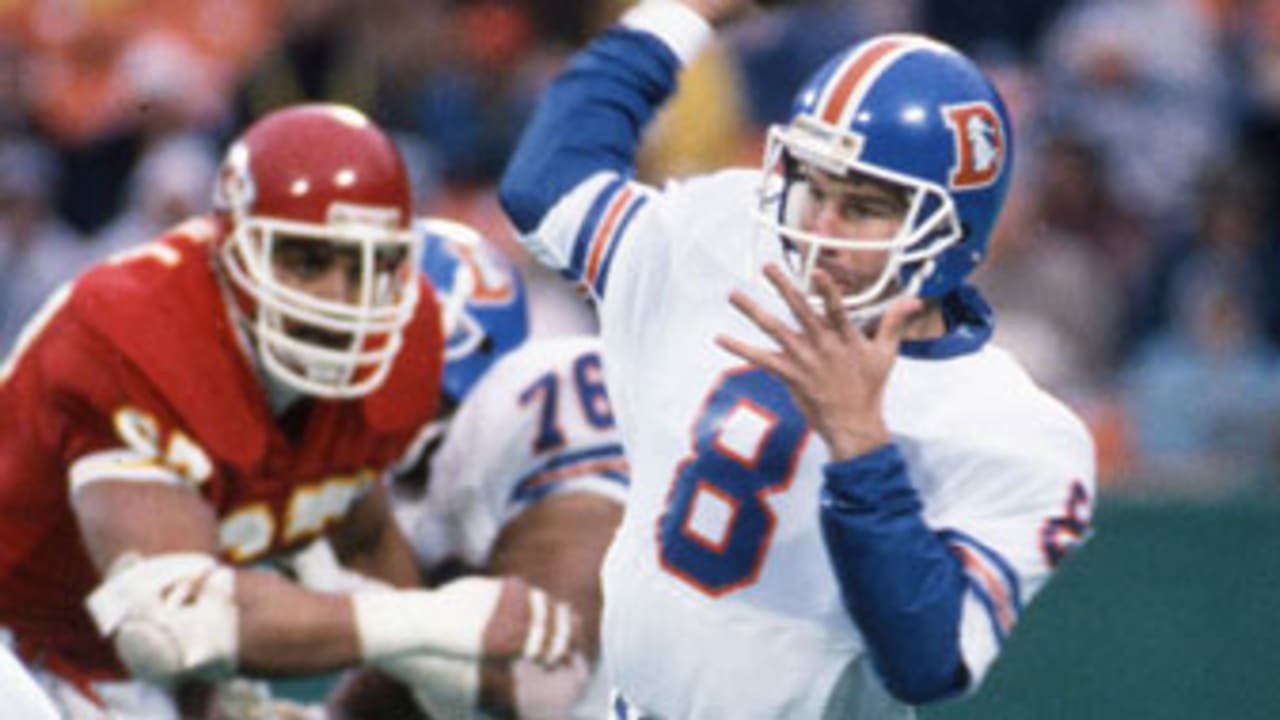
{"x":1132,"y":269}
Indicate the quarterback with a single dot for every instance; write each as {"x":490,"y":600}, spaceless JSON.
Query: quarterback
{"x":218,"y":398}
{"x":843,"y":495}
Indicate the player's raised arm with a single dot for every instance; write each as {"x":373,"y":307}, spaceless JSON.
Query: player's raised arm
{"x":568,"y":188}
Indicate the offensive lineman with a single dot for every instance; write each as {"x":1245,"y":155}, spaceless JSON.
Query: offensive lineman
{"x":522,"y":475}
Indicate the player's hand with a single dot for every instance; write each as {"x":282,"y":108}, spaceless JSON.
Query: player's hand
{"x":528,"y":623}
{"x":548,"y":693}
{"x":836,"y":371}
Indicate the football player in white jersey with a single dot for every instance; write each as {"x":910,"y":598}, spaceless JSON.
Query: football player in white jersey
{"x":524,"y":473}
{"x":842,"y":494}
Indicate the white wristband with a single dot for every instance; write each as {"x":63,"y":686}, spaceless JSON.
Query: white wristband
{"x":449,"y":621}
{"x":677,"y":25}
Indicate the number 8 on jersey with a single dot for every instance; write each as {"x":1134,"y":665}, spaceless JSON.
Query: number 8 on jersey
{"x":747,"y":441}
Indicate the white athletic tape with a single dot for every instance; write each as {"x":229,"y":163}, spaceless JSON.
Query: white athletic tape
{"x":537,"y":623}
{"x":133,"y":579}
{"x":560,"y":640}
{"x":169,"y":615}
{"x":450,"y":620}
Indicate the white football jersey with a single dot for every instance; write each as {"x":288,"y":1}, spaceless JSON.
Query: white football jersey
{"x":720,"y":600}
{"x":23,"y":697}
{"x":537,"y":424}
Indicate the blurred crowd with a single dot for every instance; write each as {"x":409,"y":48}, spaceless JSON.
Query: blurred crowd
{"x":1130,"y":270}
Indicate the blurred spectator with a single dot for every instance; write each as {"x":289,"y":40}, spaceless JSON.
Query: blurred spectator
{"x":1254,"y":36}
{"x":472,"y":104}
{"x":1229,"y":230}
{"x":38,"y":252}
{"x":1204,"y":394}
{"x":15,"y":90}
{"x":989,"y":27}
{"x":568,"y":24}
{"x":1057,"y":297}
{"x":169,"y":87}
{"x":104,"y":75}
{"x":322,"y":55}
{"x":170,"y":183}
{"x":1078,"y":201}
{"x":780,"y":50}
{"x":165,"y":88}
{"x":704,"y":125}
{"x":1145,"y":81}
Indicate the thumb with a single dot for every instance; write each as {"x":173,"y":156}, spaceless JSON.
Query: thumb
{"x":894,"y":322}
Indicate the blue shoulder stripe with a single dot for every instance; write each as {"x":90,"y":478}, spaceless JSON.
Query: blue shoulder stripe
{"x":587,"y":230}
{"x":602,"y":278}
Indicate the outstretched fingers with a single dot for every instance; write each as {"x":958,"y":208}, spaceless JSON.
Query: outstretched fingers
{"x":773,"y":362}
{"x":833,"y":305}
{"x":795,"y":300}
{"x":771,"y":324}
{"x":893,"y":324}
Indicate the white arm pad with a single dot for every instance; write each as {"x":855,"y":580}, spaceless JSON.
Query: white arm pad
{"x":169,"y":615}
{"x":448,"y":621}
{"x":444,"y":687}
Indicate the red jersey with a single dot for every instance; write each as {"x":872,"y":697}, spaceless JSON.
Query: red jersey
{"x":136,"y":370}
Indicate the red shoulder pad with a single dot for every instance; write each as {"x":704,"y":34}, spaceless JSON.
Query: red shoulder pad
{"x":161,"y":307}
{"x":409,"y":397}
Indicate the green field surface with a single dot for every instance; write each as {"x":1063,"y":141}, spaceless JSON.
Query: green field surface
{"x":1172,"y":611}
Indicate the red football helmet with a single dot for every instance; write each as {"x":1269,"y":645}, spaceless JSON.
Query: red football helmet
{"x":319,"y":182}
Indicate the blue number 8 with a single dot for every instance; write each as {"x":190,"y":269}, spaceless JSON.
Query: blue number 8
{"x":717,"y":526}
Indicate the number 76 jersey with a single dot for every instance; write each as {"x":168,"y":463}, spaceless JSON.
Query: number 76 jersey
{"x":537,"y":424}
{"x":720,"y":596}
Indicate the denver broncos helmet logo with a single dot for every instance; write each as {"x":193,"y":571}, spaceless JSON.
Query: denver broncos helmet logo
{"x":488,"y":282}
{"x":979,"y":138}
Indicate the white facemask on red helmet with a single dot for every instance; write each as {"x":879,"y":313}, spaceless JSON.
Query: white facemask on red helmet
{"x":320,"y":174}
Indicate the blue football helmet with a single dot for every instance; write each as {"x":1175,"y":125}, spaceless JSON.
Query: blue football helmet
{"x":482,"y":299}
{"x":909,"y":113}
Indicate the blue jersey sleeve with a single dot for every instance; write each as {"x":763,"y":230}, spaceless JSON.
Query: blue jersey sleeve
{"x":900,"y":581}
{"x":590,"y":120}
